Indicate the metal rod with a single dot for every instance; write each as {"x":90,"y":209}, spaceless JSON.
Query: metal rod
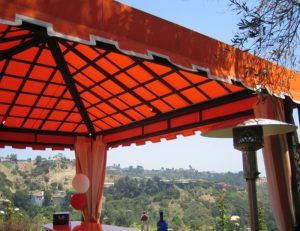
{"x":251,"y":174}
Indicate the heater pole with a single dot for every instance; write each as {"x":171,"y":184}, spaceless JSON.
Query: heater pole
{"x":251,"y":174}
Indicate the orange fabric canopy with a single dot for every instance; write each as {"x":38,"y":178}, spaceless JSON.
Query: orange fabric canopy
{"x":103,"y":68}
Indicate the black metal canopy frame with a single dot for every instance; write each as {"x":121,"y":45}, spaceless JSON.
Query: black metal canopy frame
{"x":54,"y":87}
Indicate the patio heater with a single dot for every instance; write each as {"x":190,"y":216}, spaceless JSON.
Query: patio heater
{"x":248,"y":138}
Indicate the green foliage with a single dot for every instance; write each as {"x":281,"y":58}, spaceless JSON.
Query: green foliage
{"x":21,"y":199}
{"x":66,"y":203}
{"x":5,"y":185}
{"x":13,"y":157}
{"x":46,"y":179}
{"x":38,"y":160}
{"x":14,"y":219}
{"x":187,"y":206}
{"x":269,"y":29}
{"x":131,"y":188}
{"x":42,"y":167}
{"x":32,"y":216}
{"x":56,"y":186}
{"x":197,"y":217}
{"x":238,"y":205}
{"x":33,"y":185}
{"x":223,"y":219}
{"x":124,"y":211}
{"x":182,"y":206}
{"x":126,"y":187}
{"x":261,"y":218}
{"x":47,"y":198}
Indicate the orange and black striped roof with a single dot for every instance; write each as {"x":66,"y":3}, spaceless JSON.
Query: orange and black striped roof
{"x":55,"y":86}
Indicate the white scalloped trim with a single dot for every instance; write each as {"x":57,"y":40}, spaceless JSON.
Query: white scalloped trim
{"x":150,"y":54}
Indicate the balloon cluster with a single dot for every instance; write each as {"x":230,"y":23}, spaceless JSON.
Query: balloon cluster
{"x":81,"y":184}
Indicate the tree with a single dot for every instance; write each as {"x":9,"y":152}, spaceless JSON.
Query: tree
{"x":38,"y":160}
{"x":21,"y":198}
{"x":261,"y":218}
{"x":222,"y":221}
{"x":269,"y":29}
{"x":5,"y":185}
{"x":13,"y":157}
{"x":47,"y":197}
{"x":66,"y":202}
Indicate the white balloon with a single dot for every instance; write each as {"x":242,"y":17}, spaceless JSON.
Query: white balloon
{"x":81,"y":183}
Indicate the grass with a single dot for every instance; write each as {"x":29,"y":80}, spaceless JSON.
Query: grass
{"x":7,"y":164}
{"x":20,"y":224}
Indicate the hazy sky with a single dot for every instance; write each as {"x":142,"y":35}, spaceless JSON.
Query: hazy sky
{"x":214,"y":19}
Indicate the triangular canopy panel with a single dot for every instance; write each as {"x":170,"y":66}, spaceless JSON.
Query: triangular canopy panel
{"x":53,"y":89}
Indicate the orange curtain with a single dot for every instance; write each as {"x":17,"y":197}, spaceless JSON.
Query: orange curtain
{"x":277,"y":164}
{"x":91,"y":160}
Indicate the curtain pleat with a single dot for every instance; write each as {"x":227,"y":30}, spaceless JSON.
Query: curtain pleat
{"x":277,"y":164}
{"x":91,"y":158}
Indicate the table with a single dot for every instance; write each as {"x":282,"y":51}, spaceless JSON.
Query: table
{"x":85,"y":226}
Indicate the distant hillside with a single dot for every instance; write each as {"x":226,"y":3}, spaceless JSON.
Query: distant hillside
{"x":192,"y":200}
{"x":58,"y":171}
{"x":39,"y":174}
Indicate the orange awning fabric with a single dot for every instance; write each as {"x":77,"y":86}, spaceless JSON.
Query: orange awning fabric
{"x":104,"y":68}
{"x":91,"y":158}
{"x":278,"y":166}
{"x":136,"y":32}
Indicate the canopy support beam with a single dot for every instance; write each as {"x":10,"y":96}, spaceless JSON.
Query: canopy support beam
{"x":115,"y":80}
{"x":13,"y":51}
{"x":242,"y":95}
{"x":61,"y":64}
